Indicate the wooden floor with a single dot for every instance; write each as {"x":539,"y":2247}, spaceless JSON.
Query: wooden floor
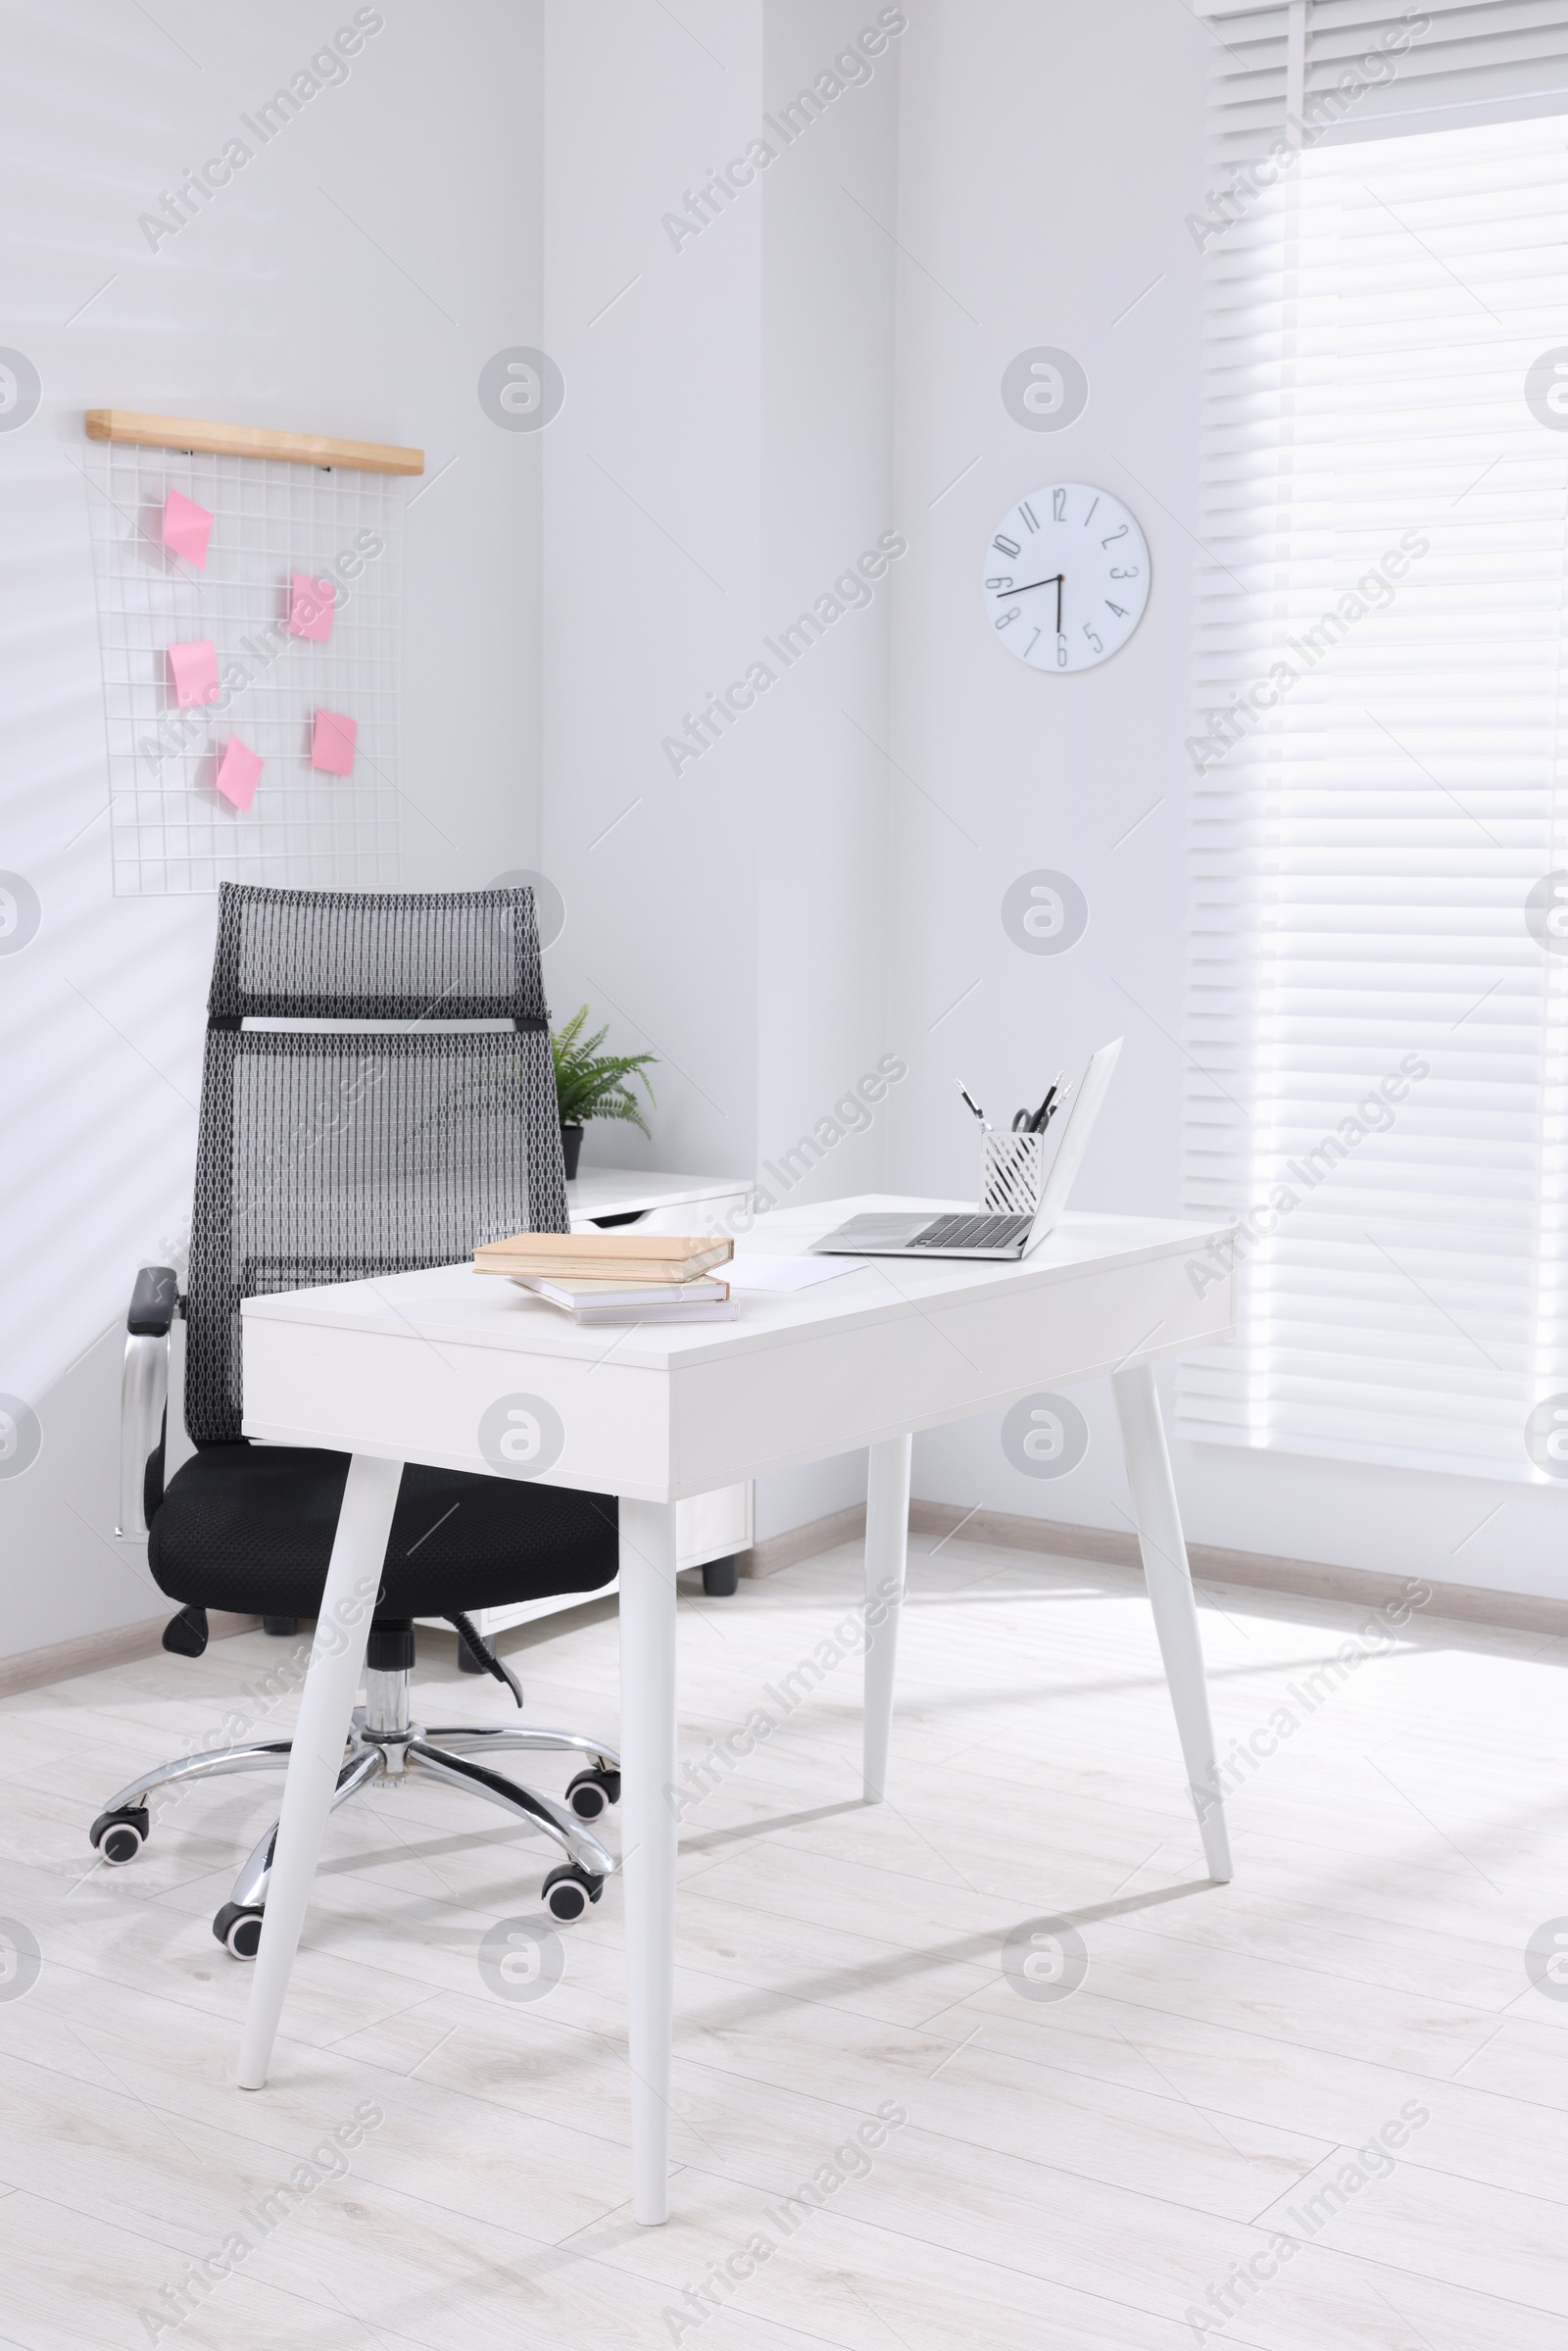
{"x":1081,"y":2172}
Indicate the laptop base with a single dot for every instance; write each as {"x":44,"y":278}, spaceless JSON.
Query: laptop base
{"x":973,"y":1234}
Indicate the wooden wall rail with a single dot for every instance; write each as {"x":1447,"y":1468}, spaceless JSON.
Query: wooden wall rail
{"x":249,"y":440}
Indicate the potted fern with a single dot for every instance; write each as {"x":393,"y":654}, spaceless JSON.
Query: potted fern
{"x":590,"y":1084}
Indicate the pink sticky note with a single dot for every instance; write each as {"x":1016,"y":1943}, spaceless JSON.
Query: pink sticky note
{"x":236,"y":776}
{"x":185,"y":529}
{"x":310,"y":606}
{"x":332,"y":743}
{"x":194,"y":670}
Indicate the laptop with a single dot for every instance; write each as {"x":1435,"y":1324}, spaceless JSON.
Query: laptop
{"x":977,"y":1233}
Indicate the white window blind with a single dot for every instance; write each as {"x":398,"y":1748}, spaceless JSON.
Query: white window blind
{"x":1378,"y":1023}
{"x":1344,"y":70}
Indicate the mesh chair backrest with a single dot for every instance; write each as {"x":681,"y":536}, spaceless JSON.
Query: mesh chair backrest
{"x":334,"y":1154}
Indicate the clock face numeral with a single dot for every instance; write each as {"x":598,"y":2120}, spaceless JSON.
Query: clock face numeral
{"x":1080,"y":591}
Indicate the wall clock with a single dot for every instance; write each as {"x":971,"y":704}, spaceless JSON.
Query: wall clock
{"x":1066,"y":577}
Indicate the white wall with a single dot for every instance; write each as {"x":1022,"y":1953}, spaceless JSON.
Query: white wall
{"x":743,"y":416}
{"x":650,"y":561}
{"x":268,"y":308}
{"x":725,"y":454}
{"x":1048,"y":155}
{"x":830,"y":206}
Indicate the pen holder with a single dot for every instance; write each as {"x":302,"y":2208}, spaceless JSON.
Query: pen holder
{"x":1013,"y":1174}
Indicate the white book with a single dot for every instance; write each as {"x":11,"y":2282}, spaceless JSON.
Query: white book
{"x":705,"y":1309}
{"x":591,"y":1295}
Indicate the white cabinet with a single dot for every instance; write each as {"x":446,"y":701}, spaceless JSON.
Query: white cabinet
{"x":711,"y":1526}
{"x":627,"y":1200}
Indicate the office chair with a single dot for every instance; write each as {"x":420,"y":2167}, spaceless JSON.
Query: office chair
{"x":377,"y":1096}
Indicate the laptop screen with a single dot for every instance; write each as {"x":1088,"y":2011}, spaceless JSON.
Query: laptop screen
{"x":1076,"y":1136}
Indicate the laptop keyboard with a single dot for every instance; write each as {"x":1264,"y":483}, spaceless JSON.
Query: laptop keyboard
{"x":971,"y":1232}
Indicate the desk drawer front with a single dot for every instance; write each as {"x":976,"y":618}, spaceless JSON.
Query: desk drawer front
{"x":833,"y":1392}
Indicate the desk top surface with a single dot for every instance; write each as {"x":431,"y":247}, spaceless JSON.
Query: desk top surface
{"x":455,"y":1306}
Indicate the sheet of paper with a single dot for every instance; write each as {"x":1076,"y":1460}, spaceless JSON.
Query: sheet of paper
{"x":332,"y":743}
{"x":310,"y":606}
{"x":759,"y":1272}
{"x":185,"y":529}
{"x":238,"y":772}
{"x":194,"y":670}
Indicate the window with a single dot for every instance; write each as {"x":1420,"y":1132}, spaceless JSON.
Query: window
{"x":1379,"y":961}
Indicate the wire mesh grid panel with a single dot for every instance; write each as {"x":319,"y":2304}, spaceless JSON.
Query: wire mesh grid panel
{"x":172,"y":831}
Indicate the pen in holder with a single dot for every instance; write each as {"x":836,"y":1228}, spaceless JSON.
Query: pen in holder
{"x":1013,"y":1174}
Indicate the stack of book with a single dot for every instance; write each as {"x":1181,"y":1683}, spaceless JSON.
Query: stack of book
{"x":602,"y":1278}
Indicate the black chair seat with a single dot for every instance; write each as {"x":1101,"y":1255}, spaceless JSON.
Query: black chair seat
{"x":250,"y":1527}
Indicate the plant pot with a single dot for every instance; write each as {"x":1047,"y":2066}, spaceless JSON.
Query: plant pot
{"x":571,"y":1149}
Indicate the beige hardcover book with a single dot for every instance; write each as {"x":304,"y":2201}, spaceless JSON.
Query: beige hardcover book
{"x":662,"y":1258}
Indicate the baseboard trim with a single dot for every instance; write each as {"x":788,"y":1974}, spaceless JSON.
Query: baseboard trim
{"x":774,"y":1551}
{"x":1211,"y":1563}
{"x":1104,"y":1547}
{"x":91,"y":1653}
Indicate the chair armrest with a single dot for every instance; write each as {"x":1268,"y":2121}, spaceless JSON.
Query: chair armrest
{"x":154,"y":1302}
{"x":144,"y":1398}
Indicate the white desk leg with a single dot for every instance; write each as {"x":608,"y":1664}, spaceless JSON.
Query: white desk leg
{"x":887,"y":1551}
{"x":650,"y":1831}
{"x":327,"y":1703}
{"x":1170,"y":1596}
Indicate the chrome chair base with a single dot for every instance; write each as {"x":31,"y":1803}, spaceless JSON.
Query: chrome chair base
{"x":385,"y":1742}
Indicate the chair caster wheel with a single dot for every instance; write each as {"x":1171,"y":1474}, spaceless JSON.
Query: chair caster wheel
{"x":118,"y":1836}
{"x":280,"y":1627}
{"x":591,"y":1794}
{"x":568,"y":1890}
{"x":721,"y":1579}
{"x":239,"y":1930}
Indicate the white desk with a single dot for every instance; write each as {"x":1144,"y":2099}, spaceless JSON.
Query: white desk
{"x":406,"y":1368}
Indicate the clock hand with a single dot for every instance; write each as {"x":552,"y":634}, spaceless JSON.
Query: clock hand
{"x":1060,"y":577}
{"x":1056,"y":580}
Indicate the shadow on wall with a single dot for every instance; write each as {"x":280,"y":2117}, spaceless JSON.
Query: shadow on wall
{"x":64,"y":1569}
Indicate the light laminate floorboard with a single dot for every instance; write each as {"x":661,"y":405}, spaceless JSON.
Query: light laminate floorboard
{"x":1086,"y":2173}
